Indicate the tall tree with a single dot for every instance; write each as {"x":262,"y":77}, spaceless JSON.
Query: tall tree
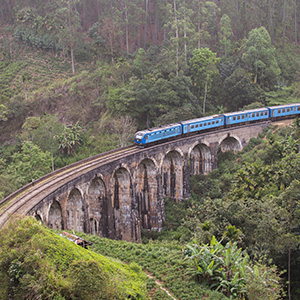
{"x":259,"y":57}
{"x":70,"y":22}
{"x":203,"y":66}
{"x":180,"y":33}
{"x":226,"y":33}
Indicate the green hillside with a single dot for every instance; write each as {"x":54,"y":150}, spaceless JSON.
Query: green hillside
{"x":36,"y":263}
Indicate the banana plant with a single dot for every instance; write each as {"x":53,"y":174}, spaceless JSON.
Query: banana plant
{"x":224,"y":267}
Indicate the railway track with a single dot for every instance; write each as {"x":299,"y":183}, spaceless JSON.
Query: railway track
{"x":25,"y":198}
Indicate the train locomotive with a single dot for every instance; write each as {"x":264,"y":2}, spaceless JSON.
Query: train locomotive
{"x":168,"y":132}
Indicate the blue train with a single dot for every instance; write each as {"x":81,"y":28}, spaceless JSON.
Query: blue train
{"x":171,"y":131}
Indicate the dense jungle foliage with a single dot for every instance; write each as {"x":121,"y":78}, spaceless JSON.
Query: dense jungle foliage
{"x":79,"y":77}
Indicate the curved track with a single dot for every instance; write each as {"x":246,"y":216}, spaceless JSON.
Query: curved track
{"x":25,"y":198}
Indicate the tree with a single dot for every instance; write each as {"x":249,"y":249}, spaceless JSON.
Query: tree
{"x":259,"y":58}
{"x":70,"y":138}
{"x":149,"y":98}
{"x":7,"y":180}
{"x":180,"y":32}
{"x":70,"y":25}
{"x":203,"y":66}
{"x":124,"y":128}
{"x":226,"y":33}
{"x":140,"y":63}
{"x":240,"y":90}
{"x":205,"y":13}
{"x":42,"y":131}
{"x":29,"y":163}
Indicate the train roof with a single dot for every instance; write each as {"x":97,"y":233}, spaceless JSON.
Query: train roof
{"x":283,"y":106}
{"x":200,"y":119}
{"x":246,"y":111}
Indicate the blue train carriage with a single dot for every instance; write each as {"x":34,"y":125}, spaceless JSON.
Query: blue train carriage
{"x":155,"y":135}
{"x":204,"y":123}
{"x":246,"y":116}
{"x":284,"y":110}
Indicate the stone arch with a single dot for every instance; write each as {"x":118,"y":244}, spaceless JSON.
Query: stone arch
{"x":147,"y":193}
{"x":55,"y":216}
{"x":122,"y":204}
{"x":200,"y":159}
{"x":230,"y":143}
{"x":172,"y":175}
{"x":75,"y":211}
{"x":98,"y":212}
{"x":38,"y":217}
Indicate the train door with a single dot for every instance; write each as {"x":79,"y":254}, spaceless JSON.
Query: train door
{"x":188,"y":128}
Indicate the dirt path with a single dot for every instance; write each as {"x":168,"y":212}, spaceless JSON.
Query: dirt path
{"x":161,"y":287}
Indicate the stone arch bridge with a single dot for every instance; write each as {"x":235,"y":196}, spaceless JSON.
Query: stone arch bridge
{"x":120,"y":198}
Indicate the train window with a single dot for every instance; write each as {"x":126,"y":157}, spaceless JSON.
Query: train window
{"x":298,"y":108}
{"x":253,"y":115}
{"x":196,"y":126}
{"x":238,"y":117}
{"x":217,"y":122}
{"x":283,"y":110}
{"x":288,"y":110}
{"x":234,"y":118}
{"x":266,"y":113}
{"x":213,"y":122}
{"x":201,"y":125}
{"x":279,"y":111}
{"x":208,"y":123}
{"x":261,"y":113}
{"x":257,"y":114}
{"x":242,"y":116}
{"x":192,"y":127}
{"x":146,"y":137}
{"x":205,"y":124}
